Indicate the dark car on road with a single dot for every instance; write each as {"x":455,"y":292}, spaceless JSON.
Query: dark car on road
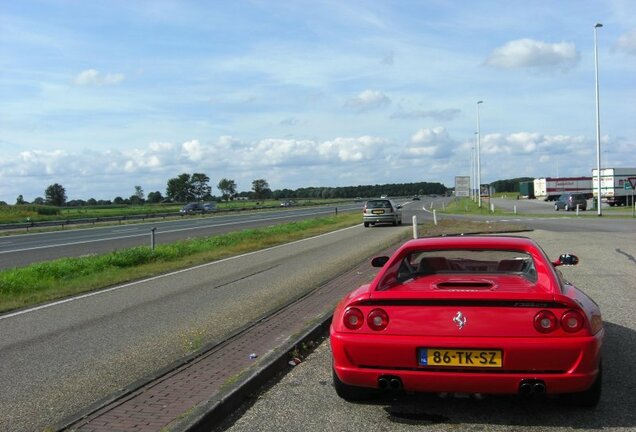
{"x":569,"y":201}
{"x":192,"y":208}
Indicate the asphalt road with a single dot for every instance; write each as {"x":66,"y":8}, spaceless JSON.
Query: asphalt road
{"x":20,"y":250}
{"x":305,"y":400}
{"x":57,"y":359}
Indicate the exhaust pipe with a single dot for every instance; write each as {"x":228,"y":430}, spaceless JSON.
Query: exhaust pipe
{"x":539,"y":387}
{"x":383,"y":383}
{"x":389,"y":382}
{"x":531,"y":386}
{"x":395,"y":383}
{"x":525,"y":388}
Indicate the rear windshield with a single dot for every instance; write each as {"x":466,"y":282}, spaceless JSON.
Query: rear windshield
{"x":379,"y":204}
{"x":424,"y":263}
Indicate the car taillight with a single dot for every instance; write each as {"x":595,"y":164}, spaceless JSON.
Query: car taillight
{"x":572,"y":321}
{"x":353,"y":318}
{"x":545,"y":321}
{"x":377,"y":319}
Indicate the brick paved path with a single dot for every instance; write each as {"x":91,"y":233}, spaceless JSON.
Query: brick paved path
{"x":181,"y":398}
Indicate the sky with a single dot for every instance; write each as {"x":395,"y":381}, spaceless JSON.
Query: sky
{"x":101,"y":97}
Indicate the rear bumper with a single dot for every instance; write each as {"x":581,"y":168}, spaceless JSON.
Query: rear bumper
{"x":360,"y":360}
{"x":380,"y":218}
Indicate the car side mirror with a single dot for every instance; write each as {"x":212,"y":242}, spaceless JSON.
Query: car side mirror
{"x":379,"y":261}
{"x":567,"y":260}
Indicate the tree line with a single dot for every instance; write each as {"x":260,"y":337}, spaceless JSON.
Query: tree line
{"x":196,"y":187}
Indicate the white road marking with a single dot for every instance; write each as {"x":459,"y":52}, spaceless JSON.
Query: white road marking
{"x":115,"y":288}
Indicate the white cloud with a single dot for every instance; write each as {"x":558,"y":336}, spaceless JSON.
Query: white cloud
{"x":352,"y":149}
{"x":529,"y":53}
{"x":93,"y":77}
{"x":368,"y":100}
{"x":627,"y":42}
{"x":193,"y":150}
{"x":431,"y":143}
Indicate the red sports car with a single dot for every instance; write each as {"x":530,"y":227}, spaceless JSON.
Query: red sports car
{"x":469,"y":315}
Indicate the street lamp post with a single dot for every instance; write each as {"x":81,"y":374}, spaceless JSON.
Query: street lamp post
{"x":476,"y":185}
{"x":598,"y":126}
{"x":478,"y":155}
{"x":472,"y":172}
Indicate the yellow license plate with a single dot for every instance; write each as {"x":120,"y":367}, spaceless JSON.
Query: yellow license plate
{"x":378,"y":212}
{"x":460,"y":357}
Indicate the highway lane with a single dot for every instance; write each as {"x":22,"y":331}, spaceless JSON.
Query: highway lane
{"x":20,"y":250}
{"x":305,"y":400}
{"x":58,"y":358}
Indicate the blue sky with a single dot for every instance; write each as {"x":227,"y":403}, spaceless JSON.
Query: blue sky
{"x":105,"y":96}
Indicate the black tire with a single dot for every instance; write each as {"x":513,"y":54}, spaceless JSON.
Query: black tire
{"x":351,"y":393}
{"x":400,"y":222}
{"x":366,"y":224}
{"x":590,"y":397}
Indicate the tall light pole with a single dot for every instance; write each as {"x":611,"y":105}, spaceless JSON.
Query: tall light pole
{"x":598,"y":126}
{"x":472,"y":172}
{"x":476,"y":190}
{"x":478,"y":155}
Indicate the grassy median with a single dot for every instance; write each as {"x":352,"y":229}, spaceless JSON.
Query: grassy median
{"x":63,"y":277}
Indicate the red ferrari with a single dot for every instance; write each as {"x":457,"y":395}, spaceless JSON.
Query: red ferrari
{"x":469,"y":315}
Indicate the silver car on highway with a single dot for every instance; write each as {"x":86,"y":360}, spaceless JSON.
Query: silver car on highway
{"x":381,"y":210}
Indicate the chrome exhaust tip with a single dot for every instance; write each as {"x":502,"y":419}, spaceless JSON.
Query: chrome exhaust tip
{"x":395,"y":383}
{"x":383,"y":383}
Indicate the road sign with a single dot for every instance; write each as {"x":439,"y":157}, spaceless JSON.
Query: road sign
{"x":627,"y":186}
{"x":632,"y":181}
{"x":462,"y":186}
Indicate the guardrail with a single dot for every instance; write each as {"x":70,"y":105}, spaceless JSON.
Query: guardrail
{"x":120,"y":219}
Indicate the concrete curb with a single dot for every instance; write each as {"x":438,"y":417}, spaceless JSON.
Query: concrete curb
{"x":220,"y":407}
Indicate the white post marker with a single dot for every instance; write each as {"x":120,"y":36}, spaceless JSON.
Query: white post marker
{"x":435,"y":217}
{"x":415,"y":227}
{"x":577,"y":209}
{"x":514,"y":209}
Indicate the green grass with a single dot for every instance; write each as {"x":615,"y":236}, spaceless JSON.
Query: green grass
{"x":468,"y":206}
{"x":51,"y":280}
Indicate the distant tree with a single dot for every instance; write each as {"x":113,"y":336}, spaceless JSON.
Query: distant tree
{"x":118,"y":200}
{"x":227,"y":188}
{"x":91,"y":201}
{"x":200,"y":187}
{"x":261,"y":189}
{"x":139,"y":193}
{"x":39,"y":201}
{"x":154,"y":197}
{"x":179,"y":189}
{"x":20,"y":200}
{"x":55,"y":195}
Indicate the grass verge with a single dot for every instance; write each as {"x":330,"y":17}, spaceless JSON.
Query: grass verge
{"x":37,"y":283}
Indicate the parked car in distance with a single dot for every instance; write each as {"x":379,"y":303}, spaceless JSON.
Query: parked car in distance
{"x":569,"y":201}
{"x":381,"y":210}
{"x":415,"y":198}
{"x":468,"y":315}
{"x":287,"y":203}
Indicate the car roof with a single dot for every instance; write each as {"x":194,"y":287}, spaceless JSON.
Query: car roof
{"x":472,"y":242}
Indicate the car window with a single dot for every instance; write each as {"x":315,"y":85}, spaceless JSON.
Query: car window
{"x":420,"y":264}
{"x":378,"y":204}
